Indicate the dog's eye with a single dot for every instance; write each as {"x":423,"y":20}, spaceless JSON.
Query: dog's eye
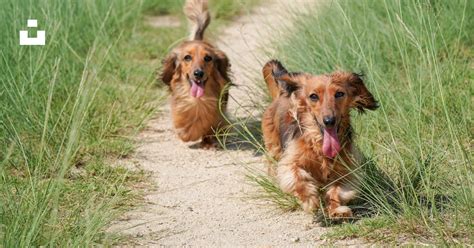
{"x":339,"y":94}
{"x":207,"y":58}
{"x":188,"y":58}
{"x":314,"y":97}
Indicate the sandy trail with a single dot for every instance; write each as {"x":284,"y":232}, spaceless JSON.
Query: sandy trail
{"x":202,"y":197}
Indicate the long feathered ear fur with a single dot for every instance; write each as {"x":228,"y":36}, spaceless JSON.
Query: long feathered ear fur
{"x":169,"y":68}
{"x":223,"y":65}
{"x":197,"y":13}
{"x":278,"y":79}
{"x":363,"y":99}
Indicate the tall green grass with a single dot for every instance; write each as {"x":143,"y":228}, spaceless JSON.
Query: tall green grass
{"x":64,"y":108}
{"x":417,"y":60}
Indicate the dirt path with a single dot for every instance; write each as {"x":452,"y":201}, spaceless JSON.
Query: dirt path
{"x":202,"y":197}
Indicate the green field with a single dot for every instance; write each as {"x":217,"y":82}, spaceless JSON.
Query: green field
{"x":417,"y":60}
{"x":71,"y":107}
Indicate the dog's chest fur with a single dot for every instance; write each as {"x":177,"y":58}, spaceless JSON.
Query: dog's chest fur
{"x":194,"y":117}
{"x":304,"y":149}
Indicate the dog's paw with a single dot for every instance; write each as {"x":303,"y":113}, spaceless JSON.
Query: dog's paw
{"x":209,"y":146}
{"x":183,"y":135}
{"x":209,"y":143}
{"x":341,"y":212}
{"x":311,"y":204}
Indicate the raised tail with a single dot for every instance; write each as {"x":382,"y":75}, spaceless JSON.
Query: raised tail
{"x":197,"y":13}
{"x":272,"y":69}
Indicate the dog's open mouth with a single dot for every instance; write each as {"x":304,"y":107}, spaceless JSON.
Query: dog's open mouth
{"x":331,"y":145}
{"x":197,"y":88}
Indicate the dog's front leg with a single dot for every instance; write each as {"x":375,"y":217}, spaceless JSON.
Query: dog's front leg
{"x":297,"y":181}
{"x":337,"y":196}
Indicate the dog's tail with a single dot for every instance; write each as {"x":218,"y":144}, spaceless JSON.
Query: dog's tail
{"x":272,"y":69}
{"x":197,"y":13}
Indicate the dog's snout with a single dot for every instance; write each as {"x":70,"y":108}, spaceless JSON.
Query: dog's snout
{"x":199,"y":74}
{"x":329,"y":121}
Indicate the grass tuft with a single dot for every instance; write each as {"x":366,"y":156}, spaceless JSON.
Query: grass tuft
{"x":66,"y":109}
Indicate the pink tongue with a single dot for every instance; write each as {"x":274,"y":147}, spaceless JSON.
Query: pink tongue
{"x":196,"y":90}
{"x":331,"y":144}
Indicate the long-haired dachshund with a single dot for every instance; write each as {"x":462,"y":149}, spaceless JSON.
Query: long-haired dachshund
{"x":197,"y":73}
{"x":307,"y":129}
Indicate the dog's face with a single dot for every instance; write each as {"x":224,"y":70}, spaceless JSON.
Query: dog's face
{"x":196,"y":62}
{"x":327,"y":100}
{"x":330,"y":98}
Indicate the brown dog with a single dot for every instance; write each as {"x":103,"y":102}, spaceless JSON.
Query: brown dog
{"x":197,"y":74}
{"x":307,"y":130}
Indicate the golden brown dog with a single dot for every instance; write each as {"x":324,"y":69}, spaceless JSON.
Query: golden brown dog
{"x":197,"y":74}
{"x":307,"y":130}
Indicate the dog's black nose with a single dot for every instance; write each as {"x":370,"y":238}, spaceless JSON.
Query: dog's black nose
{"x":329,"y":121}
{"x":198,"y":74}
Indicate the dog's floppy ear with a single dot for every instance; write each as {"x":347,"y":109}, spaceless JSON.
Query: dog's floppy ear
{"x":278,"y":79}
{"x":169,"y":68}
{"x":287,"y":83}
{"x":223,"y":65}
{"x":363,"y":99}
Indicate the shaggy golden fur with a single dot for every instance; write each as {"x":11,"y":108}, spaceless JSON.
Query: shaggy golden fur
{"x":307,"y":130}
{"x":197,"y":73}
